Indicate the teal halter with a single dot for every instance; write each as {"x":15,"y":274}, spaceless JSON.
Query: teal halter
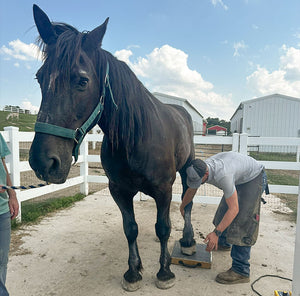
{"x":78,"y":134}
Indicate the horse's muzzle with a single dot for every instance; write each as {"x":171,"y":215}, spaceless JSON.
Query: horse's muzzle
{"x":50,"y":158}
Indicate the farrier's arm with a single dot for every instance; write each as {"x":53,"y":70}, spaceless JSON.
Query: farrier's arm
{"x":188,"y":197}
{"x":231,"y":213}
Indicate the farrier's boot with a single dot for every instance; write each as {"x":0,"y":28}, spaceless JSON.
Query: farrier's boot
{"x":230,"y":277}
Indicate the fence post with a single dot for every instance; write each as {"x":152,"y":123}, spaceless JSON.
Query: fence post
{"x":14,"y":160}
{"x":296,"y":271}
{"x":94,"y":131}
{"x":84,"y":167}
{"x":298,"y":154}
{"x":235,"y":142}
{"x":244,"y":143}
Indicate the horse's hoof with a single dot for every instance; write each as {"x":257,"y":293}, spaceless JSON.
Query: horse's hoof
{"x":188,"y":250}
{"x":131,"y":287}
{"x":165,"y":284}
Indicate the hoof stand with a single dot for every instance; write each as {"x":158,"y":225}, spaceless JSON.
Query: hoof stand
{"x":201,"y":258}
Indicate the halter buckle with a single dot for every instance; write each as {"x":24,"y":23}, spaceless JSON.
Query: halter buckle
{"x":78,"y":134}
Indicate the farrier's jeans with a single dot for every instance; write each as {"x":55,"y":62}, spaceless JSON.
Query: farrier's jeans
{"x":240,"y":259}
{"x":240,"y":256}
{"x":5,"y":230}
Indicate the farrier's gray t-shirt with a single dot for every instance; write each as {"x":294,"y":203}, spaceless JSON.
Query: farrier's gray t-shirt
{"x":226,"y":170}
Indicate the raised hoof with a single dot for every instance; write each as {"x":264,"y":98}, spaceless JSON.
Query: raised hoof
{"x":165,"y":284}
{"x":188,"y":250}
{"x":131,"y":287}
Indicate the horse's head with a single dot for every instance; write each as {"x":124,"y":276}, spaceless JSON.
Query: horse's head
{"x":71,"y":87}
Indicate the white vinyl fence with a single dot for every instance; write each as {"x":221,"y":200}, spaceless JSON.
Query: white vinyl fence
{"x":239,"y":143}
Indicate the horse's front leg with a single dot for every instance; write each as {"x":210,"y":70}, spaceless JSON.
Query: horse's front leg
{"x":187,"y":242}
{"x":132,"y":277}
{"x":165,"y":278}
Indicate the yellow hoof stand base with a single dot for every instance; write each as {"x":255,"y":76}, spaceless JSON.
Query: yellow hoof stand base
{"x":201,"y":258}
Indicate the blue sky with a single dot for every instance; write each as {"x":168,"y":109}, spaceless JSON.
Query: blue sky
{"x":215,"y":53}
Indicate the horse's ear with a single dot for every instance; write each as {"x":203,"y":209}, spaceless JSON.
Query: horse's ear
{"x":95,"y":37}
{"x":44,"y":25}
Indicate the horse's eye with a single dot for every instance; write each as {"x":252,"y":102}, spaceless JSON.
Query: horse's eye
{"x":83,"y":81}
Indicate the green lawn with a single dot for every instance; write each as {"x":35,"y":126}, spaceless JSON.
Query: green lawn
{"x":273,"y":156}
{"x":25,"y":122}
{"x":32,"y":211}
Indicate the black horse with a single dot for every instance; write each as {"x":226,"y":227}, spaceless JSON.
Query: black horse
{"x":145,"y":141}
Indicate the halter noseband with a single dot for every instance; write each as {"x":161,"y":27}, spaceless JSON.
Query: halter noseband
{"x":79,"y":133}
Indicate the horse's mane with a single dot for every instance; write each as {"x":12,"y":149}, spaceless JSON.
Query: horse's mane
{"x":137,"y":107}
{"x":131,"y":122}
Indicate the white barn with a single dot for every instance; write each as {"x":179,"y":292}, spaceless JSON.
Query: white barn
{"x":269,"y":116}
{"x":196,"y":116}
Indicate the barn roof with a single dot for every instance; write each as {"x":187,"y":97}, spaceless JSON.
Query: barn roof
{"x":217,"y":128}
{"x":178,"y":99}
{"x":264,"y":98}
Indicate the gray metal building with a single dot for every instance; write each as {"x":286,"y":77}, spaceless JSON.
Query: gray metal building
{"x":269,"y":116}
{"x":196,"y":116}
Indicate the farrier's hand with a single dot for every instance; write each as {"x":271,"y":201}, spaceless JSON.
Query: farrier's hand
{"x":2,"y":190}
{"x":212,"y":242}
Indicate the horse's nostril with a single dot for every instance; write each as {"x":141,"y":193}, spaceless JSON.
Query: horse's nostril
{"x":54,"y":163}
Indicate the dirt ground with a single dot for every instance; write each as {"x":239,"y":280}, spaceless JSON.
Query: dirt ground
{"x":83,"y":251}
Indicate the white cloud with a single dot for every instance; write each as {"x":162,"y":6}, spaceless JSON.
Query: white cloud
{"x":21,"y":51}
{"x":124,"y":55}
{"x":166,"y":70}
{"x":237,"y":47}
{"x":290,"y":63}
{"x":285,"y":80}
{"x":28,"y":106}
{"x":216,"y":2}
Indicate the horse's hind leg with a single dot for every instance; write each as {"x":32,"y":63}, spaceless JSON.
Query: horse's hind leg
{"x":165,"y":278}
{"x":132,"y":277}
{"x":187,"y":242}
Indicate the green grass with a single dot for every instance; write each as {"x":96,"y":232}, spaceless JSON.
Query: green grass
{"x":282,"y":178}
{"x":33,"y":211}
{"x":25,"y":123}
{"x":273,"y":156}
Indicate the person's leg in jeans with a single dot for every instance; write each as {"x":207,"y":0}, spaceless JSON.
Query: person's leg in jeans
{"x":5,"y":231}
{"x":240,"y":259}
